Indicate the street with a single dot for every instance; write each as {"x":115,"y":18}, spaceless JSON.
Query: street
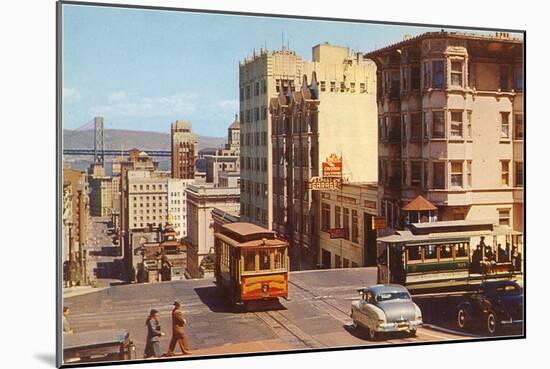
{"x":316,"y":315}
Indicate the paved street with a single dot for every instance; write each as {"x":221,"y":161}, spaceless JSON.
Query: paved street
{"x":315,"y":316}
{"x":103,"y":263}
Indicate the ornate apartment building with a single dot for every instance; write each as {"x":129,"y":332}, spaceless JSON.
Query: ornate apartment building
{"x":451,"y":126}
{"x":261,"y":78}
{"x":332,"y":111}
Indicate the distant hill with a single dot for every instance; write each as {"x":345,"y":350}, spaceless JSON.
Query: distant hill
{"x":121,"y":139}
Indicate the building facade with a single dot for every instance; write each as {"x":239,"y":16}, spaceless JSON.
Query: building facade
{"x":331,"y":113}
{"x":75,"y":193}
{"x":351,"y":210}
{"x":184,"y":150}
{"x":261,"y":78}
{"x":451,"y":126}
{"x":201,"y":200}
{"x":177,"y":206}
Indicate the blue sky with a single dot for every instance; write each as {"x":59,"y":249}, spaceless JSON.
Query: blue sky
{"x":143,"y":69}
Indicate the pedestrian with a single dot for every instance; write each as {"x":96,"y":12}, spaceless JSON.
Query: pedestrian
{"x":66,"y":325}
{"x":152,"y":346}
{"x":178,"y":335}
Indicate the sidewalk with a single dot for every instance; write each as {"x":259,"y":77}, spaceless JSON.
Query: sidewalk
{"x":80,"y":290}
{"x":244,"y":347}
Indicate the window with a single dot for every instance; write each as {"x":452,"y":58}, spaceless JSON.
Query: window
{"x":405,"y":78}
{"x":257,"y":89}
{"x":404,"y":176}
{"x":354,"y":226}
{"x":426,"y":75}
{"x":504,"y":217}
{"x":415,"y":77}
{"x":346,"y":223}
{"x":518,"y":126}
{"x":325,"y":217}
{"x":438,"y":124}
{"x":438,"y":74}
{"x":416,"y":126}
{"x":456,"y":73}
{"x":395,"y":84}
{"x":519,"y":174}
{"x":362,"y":88}
{"x":248,"y":92}
{"x":414,"y":253}
{"x":438,"y":175}
{"x":503,"y":73}
{"x":445,"y":252}
{"x":456,"y":174}
{"x":332,"y":86}
{"x":323,"y":86}
{"x":279,"y":259}
{"x":241,"y":94}
{"x":265,"y":263}
{"x":264,"y":86}
{"x":430,"y":252}
{"x":395,"y":129}
{"x":518,"y":74}
{"x":416,"y":173}
{"x":337,"y":217}
{"x":278,"y":85}
{"x":505,"y":124}
{"x":249,"y":261}
{"x":352,"y":87}
{"x":426,"y":125}
{"x":456,"y":124}
{"x":504,"y":165}
{"x":342,"y":86}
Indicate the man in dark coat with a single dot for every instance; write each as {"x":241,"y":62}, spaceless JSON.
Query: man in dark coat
{"x":152,"y":347}
{"x":178,"y":335}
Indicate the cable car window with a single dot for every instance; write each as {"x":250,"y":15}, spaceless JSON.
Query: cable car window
{"x":249,"y":261}
{"x":429,"y":252}
{"x":415,"y":253}
{"x":445,"y":252}
{"x":460,"y":250}
{"x":264,"y":260}
{"x":279,"y":258}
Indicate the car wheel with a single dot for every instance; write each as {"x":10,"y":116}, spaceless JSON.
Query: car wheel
{"x":412,"y":332}
{"x":461,"y":318}
{"x":491,"y":323}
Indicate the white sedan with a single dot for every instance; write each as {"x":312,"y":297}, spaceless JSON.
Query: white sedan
{"x":386,"y":308}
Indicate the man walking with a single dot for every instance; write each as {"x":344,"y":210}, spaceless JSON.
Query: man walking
{"x":178,"y":335}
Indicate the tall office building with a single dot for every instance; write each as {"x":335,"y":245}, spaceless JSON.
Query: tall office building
{"x":184,"y":150}
{"x":261,"y":77}
{"x":450,"y":112}
{"x":332,"y":113}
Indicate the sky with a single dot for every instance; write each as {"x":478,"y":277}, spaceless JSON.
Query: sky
{"x":143,"y":69}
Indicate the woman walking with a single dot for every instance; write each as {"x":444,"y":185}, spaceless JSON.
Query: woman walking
{"x":152,"y":347}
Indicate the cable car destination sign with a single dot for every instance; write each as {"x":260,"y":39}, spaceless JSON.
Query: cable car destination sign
{"x":332,"y":175}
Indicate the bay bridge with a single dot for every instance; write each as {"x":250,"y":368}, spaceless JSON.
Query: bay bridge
{"x":99,"y":152}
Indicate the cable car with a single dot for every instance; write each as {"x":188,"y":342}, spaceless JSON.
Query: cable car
{"x":251,"y":263}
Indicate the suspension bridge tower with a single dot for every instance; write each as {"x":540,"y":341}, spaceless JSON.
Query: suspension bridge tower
{"x":99,"y":154}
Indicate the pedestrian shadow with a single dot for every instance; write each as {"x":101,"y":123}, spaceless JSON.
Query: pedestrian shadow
{"x":219,"y":302}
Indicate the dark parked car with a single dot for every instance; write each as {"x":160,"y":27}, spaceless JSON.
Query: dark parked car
{"x":100,"y":345}
{"x":492,"y":307}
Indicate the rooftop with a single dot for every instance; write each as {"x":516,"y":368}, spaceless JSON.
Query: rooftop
{"x":419,"y":204}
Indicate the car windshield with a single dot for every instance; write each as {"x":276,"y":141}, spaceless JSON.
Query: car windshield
{"x":392,"y":296}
